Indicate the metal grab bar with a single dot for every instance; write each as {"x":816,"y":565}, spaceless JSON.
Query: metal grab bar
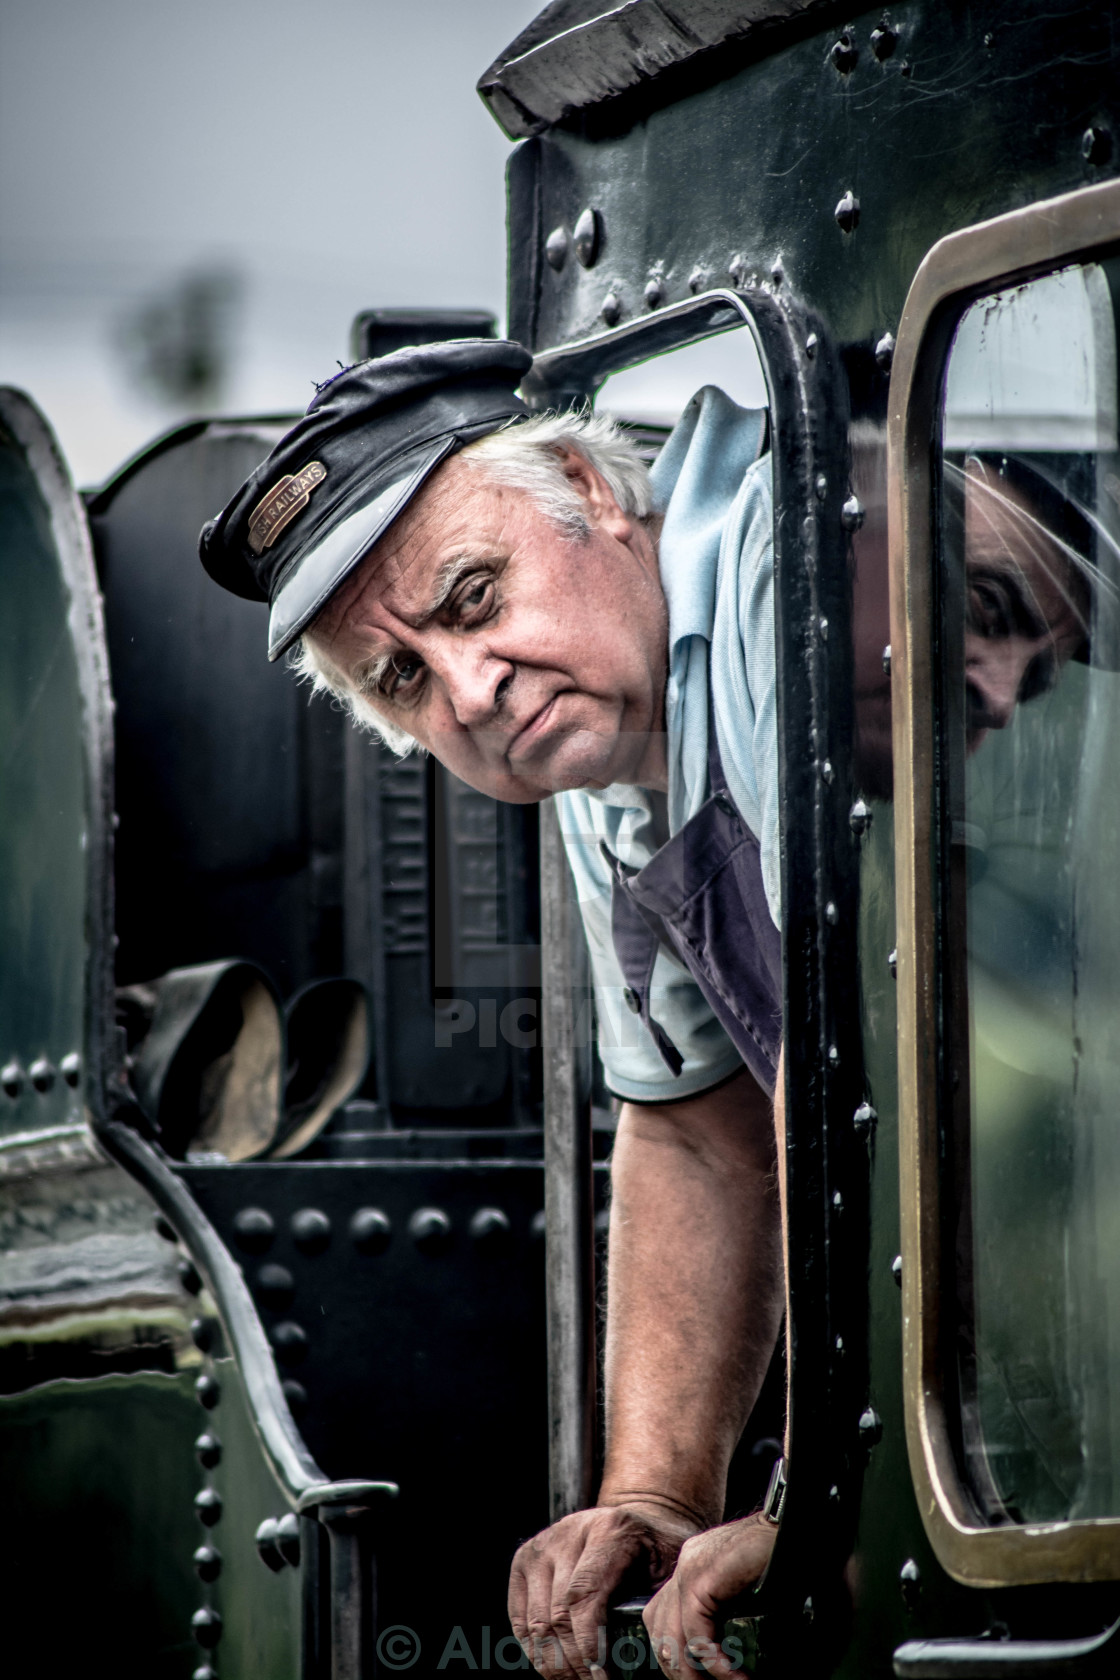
{"x":1010,"y":1659}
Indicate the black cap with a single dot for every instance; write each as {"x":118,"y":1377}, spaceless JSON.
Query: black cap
{"x":334,"y":484}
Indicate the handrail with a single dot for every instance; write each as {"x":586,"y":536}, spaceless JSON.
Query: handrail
{"x":1010,"y":1659}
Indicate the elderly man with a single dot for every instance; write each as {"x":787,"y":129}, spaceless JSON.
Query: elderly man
{"x":517,"y":596}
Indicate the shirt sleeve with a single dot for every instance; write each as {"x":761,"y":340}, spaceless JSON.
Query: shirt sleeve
{"x":631,"y":1062}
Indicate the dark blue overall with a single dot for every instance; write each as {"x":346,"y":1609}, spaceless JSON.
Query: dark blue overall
{"x":701,"y":895}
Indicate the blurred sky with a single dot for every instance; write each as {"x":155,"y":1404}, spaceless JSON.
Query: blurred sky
{"x":333,"y":155}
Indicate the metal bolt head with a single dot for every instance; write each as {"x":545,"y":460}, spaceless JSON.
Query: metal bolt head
{"x":208,"y":1563}
{"x":852,"y":514}
{"x":654,"y":293}
{"x":537,"y":1226}
{"x":202,"y":1334}
{"x":865,"y":1119}
{"x":311,"y":1230}
{"x":287,"y":1538}
{"x":586,"y":237}
{"x":698,"y":279}
{"x":822,"y":626}
{"x":887,"y":660}
{"x":430,"y":1230}
{"x":892,"y":962}
{"x":870,"y":1427}
{"x":827,"y":771}
{"x":833,"y":1056}
{"x":70,"y":1068}
{"x":837,"y":1202}
{"x":847,"y":212}
{"x":1096,"y":145}
{"x":910,"y":1583}
{"x":208,"y":1504}
{"x":489,"y":1227}
{"x":268,"y":1545}
{"x":43,"y":1074}
{"x":737,"y":268}
{"x":845,"y":53}
{"x":777,"y":272}
{"x":276,"y":1287}
{"x":207,"y":1625}
{"x":208,"y":1450}
{"x":253,"y":1230}
{"x":860,"y":817}
{"x":290,"y":1341}
{"x":884,"y":353}
{"x":165,"y":1229}
{"x":188,"y":1277}
{"x":811,"y":345}
{"x":556,"y":248}
{"x":820,"y":485}
{"x":831,"y":914}
{"x":883,"y":41}
{"x":370,"y":1230}
{"x":11,"y":1079}
{"x":207,"y":1390}
{"x":834,"y":1495}
{"x":896,"y":1269}
{"x":296,"y":1396}
{"x":612,"y":308}
{"x":807,"y":1610}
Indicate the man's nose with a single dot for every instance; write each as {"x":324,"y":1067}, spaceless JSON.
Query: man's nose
{"x":994,"y":672}
{"x":477,"y":681}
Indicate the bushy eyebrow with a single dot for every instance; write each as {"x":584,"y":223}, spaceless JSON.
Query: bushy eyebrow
{"x":369,"y":675}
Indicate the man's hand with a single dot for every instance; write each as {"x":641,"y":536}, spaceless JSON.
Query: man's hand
{"x":563,"y":1579}
{"x":712,"y":1569}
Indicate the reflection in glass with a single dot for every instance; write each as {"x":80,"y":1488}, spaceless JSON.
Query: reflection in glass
{"x":1030,"y":884}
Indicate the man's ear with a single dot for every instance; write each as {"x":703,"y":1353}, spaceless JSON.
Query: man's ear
{"x":596,"y":492}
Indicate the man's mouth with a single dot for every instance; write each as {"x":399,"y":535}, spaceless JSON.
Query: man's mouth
{"x":532,"y":731}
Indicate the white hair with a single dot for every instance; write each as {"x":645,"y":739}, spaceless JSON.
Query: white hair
{"x":523,"y":455}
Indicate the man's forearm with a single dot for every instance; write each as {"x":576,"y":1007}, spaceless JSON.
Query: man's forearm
{"x":694,"y":1294}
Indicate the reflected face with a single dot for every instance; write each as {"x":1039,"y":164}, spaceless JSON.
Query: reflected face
{"x":1025,"y":614}
{"x":527,"y":661}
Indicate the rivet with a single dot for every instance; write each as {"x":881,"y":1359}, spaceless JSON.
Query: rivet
{"x":612,"y":307}
{"x":204,"y":1673}
{"x":631,"y":999}
{"x":831,"y":914}
{"x":290,"y":1341}
{"x":188,"y":1277}
{"x":430,"y":1230}
{"x":860,"y":817}
{"x":1096,"y":145}
{"x":887,"y":660}
{"x":870,"y":1427}
{"x":370,"y":1231}
{"x":865,"y":1118}
{"x":698,"y":279}
{"x":896,"y":1269}
{"x":537,"y":1226}
{"x":834,"y":1494}
{"x":208,"y":1563}
{"x":276,"y":1287}
{"x":253,"y":1230}
{"x":845,"y":54}
{"x":837,"y":1202}
{"x":311,"y":1230}
{"x":164,"y":1228}
{"x":906,"y":68}
{"x":883,"y":41}
{"x":71,"y":1068}
{"x":11,"y":1079}
{"x":585,"y":237}
{"x":287,"y":1538}
{"x":827,"y":771}
{"x":910,"y":1583}
{"x":822,"y":626}
{"x":489,"y":1227}
{"x":654,"y":293}
{"x":833,"y":1056}
{"x":556,"y":248}
{"x":202,"y":1334}
{"x":838,"y":1344}
{"x":208,"y":1450}
{"x":811,"y":344}
{"x":116,"y":821}
{"x":42,"y":1075}
{"x":208,"y":1504}
{"x":821,"y":487}
{"x":777,"y":272}
{"x":207,"y":1390}
{"x":268,"y":1545}
{"x":807,"y":1609}
{"x":296,"y":1396}
{"x":852,"y":514}
{"x":737,"y":268}
{"x":884,"y":353}
{"x":847,"y":212}
{"x":207,"y":1625}
{"x":892,"y":962}
{"x":989,"y":38}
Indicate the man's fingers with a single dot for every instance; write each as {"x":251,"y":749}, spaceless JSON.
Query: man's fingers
{"x":594,"y":1579}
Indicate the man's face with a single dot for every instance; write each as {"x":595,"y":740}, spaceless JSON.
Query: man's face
{"x":1025,"y":615}
{"x":525,"y":660}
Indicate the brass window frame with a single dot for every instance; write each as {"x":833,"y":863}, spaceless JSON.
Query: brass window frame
{"x":960,"y":268}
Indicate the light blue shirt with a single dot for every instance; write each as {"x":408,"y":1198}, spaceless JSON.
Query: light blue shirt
{"x":717,"y":570}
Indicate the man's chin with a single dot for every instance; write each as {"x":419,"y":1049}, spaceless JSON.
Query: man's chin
{"x":581,"y":759}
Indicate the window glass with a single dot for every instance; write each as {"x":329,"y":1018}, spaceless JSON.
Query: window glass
{"x":1029,"y":874}
{"x":655,"y":392}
